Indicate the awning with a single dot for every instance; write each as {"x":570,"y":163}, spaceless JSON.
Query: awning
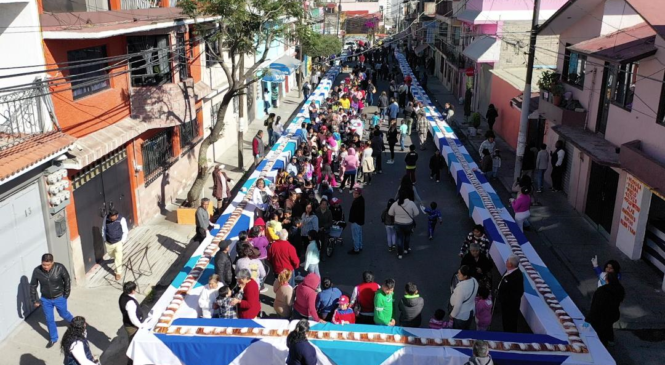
{"x":421,"y":48}
{"x":201,"y":90}
{"x":285,"y":64}
{"x":597,"y":147}
{"x":32,"y":152}
{"x":485,"y":49}
{"x":273,"y":75}
{"x":625,"y":45}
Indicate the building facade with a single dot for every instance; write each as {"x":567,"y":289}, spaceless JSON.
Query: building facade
{"x":616,"y":158}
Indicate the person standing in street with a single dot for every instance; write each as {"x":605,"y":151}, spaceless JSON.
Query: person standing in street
{"x":203,"y":223}
{"x":132,"y":314}
{"x":463,"y":299}
{"x":220,"y":188}
{"x":605,"y":308}
{"x":223,"y":264}
{"x":114,"y":234}
{"x":377,"y":150}
{"x":306,"y":89}
{"x":393,"y":109}
{"x":423,"y":127}
{"x":258,"y":148}
{"x":392,"y":140}
{"x":491,"y":116}
{"x":383,"y":104}
{"x":542,"y":162}
{"x":384,"y":304}
{"x":357,"y":220}
{"x":404,"y":211}
{"x":75,"y":344}
{"x":509,"y":294}
{"x":557,"y":159}
{"x":266,"y":100}
{"x":55,"y":285}
{"x":411,"y":159}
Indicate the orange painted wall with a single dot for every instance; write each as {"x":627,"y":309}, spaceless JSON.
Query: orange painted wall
{"x":88,"y":114}
{"x":508,"y":123}
{"x":195,"y":58}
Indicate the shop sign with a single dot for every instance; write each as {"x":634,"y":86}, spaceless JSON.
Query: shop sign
{"x":630,"y":209}
{"x":469,"y":71}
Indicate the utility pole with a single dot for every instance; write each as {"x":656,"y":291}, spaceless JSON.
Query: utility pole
{"x":526,"y":97}
{"x":339,"y":12}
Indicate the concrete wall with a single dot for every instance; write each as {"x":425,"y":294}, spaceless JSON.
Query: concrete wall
{"x":515,"y":43}
{"x":508,"y":123}
{"x":21,"y":39}
{"x":617,"y":15}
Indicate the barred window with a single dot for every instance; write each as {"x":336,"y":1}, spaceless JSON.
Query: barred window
{"x":86,"y":75}
{"x":157,"y":154}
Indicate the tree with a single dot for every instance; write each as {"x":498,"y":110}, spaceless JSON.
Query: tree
{"x":318,"y":45}
{"x":242,"y":27}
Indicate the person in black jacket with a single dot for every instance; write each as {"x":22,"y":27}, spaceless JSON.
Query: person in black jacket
{"x":55,"y":285}
{"x":510,"y":291}
{"x":357,"y":220}
{"x":411,"y":307}
{"x":436,"y":164}
{"x":224,"y":265}
{"x":377,"y":149}
{"x":410,"y":160}
{"x":130,"y":308}
{"x":301,"y":352}
{"x":605,"y":307}
{"x":480,"y":265}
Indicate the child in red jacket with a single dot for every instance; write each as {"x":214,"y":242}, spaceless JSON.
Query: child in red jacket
{"x":343,"y":314}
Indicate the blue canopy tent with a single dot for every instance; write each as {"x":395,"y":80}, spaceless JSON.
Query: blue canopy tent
{"x":285,"y":64}
{"x":273,"y":75}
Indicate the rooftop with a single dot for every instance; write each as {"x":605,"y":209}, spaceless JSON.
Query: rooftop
{"x":625,"y":45}
{"x":103,"y":24}
{"x":32,"y":151}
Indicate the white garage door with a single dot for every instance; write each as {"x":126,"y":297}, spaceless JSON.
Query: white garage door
{"x":23,"y":238}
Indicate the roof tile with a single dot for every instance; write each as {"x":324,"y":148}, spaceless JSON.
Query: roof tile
{"x":15,"y":159}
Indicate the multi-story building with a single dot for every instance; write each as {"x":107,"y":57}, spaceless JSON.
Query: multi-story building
{"x":33,"y":184}
{"x":611,"y":118}
{"x":478,"y":36}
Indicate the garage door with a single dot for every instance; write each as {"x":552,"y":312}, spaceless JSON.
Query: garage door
{"x":23,"y":237}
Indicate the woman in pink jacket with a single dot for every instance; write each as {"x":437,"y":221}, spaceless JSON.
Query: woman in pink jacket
{"x":351,"y":164}
{"x":521,"y":206}
{"x":305,"y":304}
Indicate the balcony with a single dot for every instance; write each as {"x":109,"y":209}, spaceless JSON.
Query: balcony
{"x":642,"y":165}
{"x":165,"y":105}
{"x":23,"y":114}
{"x":559,"y":115}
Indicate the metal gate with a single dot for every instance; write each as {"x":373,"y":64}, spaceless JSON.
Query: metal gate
{"x":98,"y":189}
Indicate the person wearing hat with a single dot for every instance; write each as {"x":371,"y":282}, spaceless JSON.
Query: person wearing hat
{"x":344,"y":314}
{"x":224,"y":265}
{"x":357,"y":220}
{"x":251,"y":262}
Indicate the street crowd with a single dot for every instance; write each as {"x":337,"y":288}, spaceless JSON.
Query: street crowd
{"x":299,"y":217}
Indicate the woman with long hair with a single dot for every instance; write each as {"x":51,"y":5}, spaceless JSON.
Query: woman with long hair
{"x":392,"y":140}
{"x":406,"y":186}
{"x":283,"y":295}
{"x":605,"y":307}
{"x":301,"y":352}
{"x":75,"y":345}
{"x":404,"y":210}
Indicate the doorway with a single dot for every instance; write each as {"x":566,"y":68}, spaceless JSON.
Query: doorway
{"x":603,"y":183}
{"x":97,"y":190}
{"x":605,"y":97}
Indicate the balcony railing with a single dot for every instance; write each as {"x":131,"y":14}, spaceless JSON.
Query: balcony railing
{"x":22,"y":115}
{"x":140,"y":4}
{"x":558,"y":115}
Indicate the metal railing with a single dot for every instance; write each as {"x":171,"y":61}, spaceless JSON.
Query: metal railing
{"x":157,"y":154}
{"x":24,"y":114}
{"x":139,"y":4}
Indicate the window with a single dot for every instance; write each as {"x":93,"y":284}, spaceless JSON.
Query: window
{"x":660,"y":119}
{"x":151,"y":64}
{"x":624,"y":89}
{"x":157,"y":154}
{"x":457,"y":34}
{"x":189,"y":132}
{"x":574,"y":65}
{"x":86,"y":76}
{"x":212,"y":48}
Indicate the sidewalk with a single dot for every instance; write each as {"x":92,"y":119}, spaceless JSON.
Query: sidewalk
{"x":157,"y":249}
{"x":566,"y":240}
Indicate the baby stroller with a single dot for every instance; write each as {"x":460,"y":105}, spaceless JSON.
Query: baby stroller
{"x":335,"y":236}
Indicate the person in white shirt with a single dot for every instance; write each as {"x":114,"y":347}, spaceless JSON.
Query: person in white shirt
{"x":277,"y":128}
{"x":75,"y":345}
{"x":405,"y":211}
{"x":261,"y":196}
{"x":132,"y":315}
{"x":114,"y":235}
{"x":209,"y":296}
{"x":266,"y":101}
{"x":463,"y":299}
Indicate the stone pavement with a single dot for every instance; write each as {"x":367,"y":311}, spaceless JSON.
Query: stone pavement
{"x":566,"y":241}
{"x":157,"y":250}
